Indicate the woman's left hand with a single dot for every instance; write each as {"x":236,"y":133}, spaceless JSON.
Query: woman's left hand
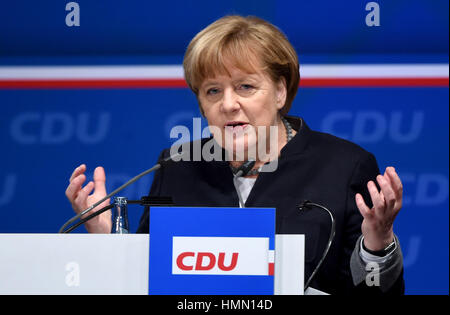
{"x":377,"y":226}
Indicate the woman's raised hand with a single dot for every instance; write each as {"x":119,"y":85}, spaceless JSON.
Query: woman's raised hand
{"x":81,"y":198}
{"x":377,"y":226}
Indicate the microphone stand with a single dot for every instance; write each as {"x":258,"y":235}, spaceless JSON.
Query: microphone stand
{"x":308,"y":205}
{"x":120,"y":218}
{"x":242,"y":171}
{"x":178,"y":155}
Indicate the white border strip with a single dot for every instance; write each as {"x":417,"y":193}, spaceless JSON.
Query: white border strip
{"x":91,"y":72}
{"x":375,"y":71}
{"x":312,"y":71}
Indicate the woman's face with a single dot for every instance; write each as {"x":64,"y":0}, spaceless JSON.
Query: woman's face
{"x":239,"y":105}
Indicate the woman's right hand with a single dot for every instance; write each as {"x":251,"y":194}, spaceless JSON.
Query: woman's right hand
{"x":81,"y":198}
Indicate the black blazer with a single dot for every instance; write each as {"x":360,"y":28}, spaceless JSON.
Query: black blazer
{"x":312,"y":166}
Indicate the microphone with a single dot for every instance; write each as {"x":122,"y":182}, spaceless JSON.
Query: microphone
{"x":245,"y":168}
{"x":242,"y":171}
{"x":131,"y":181}
{"x":306,"y":204}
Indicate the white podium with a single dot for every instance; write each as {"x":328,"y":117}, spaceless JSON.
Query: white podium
{"x":108,"y":264}
{"x":74,"y":264}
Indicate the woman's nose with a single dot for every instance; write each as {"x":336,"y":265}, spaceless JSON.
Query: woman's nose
{"x":230,"y":101}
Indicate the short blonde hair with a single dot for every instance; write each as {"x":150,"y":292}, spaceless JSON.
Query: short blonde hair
{"x":248,"y":43}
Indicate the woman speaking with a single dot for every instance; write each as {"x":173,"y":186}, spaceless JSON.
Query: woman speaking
{"x":245,"y":75}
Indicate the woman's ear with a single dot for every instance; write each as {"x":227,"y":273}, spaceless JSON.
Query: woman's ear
{"x":281,"y":93}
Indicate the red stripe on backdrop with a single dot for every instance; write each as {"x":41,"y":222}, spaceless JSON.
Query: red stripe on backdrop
{"x":93,"y":84}
{"x":374,"y":82}
{"x":271,"y":269}
{"x":181,"y":83}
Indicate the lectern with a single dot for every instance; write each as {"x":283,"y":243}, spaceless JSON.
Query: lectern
{"x":187,"y":252}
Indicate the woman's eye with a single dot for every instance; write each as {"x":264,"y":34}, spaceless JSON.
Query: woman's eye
{"x":212,"y":91}
{"x":246,"y":86}
{"x":246,"y":89}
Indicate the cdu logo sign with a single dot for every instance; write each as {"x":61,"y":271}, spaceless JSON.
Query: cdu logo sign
{"x":222,"y":256}
{"x":211,"y":250}
{"x":425,"y":189}
{"x":8,"y":186}
{"x":199,"y":261}
{"x":374,"y":126}
{"x":59,"y":127}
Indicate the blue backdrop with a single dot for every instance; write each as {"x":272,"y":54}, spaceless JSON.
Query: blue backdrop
{"x":46,"y":133}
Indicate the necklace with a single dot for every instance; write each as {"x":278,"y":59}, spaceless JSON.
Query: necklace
{"x":289,"y":136}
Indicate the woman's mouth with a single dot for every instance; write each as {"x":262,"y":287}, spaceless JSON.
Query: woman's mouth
{"x":236,"y":126}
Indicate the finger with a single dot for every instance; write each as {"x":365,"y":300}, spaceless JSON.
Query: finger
{"x":381,"y":210}
{"x":74,"y":187}
{"x":389,"y":182}
{"x":396,"y":183}
{"x":387,"y":191}
{"x":81,"y":199}
{"x":397,"y":187}
{"x":79,"y":170}
{"x":363,"y":208}
{"x":100,"y":180}
{"x":386,"y":176}
{"x":377,"y":199}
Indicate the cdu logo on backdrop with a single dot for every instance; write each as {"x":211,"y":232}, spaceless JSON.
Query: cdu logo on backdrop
{"x":425,"y":189}
{"x":8,"y":186}
{"x":370,"y":126}
{"x":54,"y":128}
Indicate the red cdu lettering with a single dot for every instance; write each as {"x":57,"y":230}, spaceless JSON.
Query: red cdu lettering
{"x":232,"y":265}
{"x":180,"y":262}
{"x":200,"y":266}
{"x":205,"y":261}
